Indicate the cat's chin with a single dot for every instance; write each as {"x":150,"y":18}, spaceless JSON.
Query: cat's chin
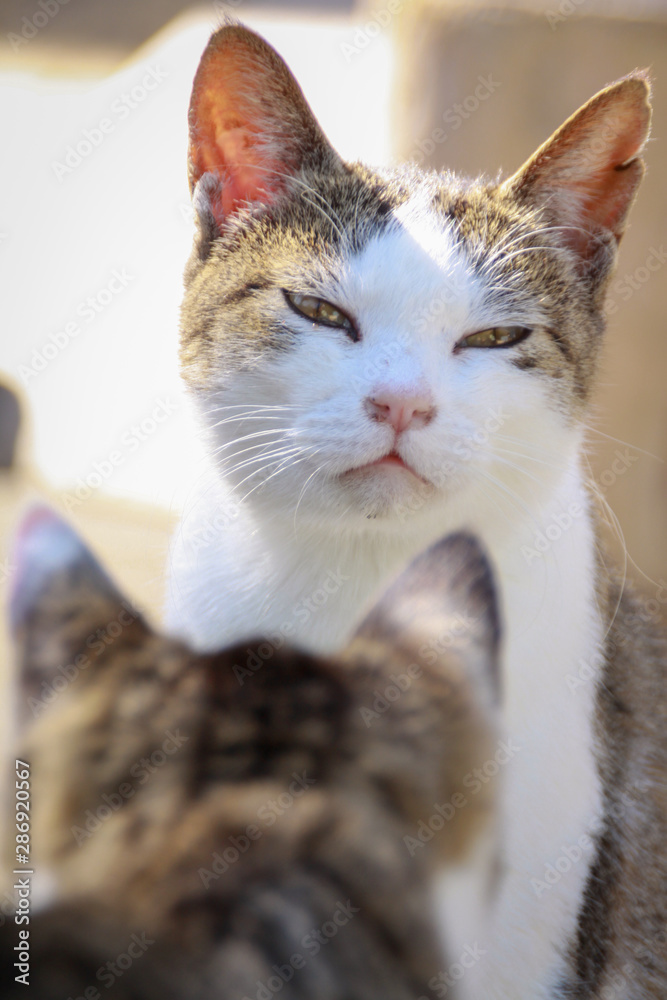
{"x":387,"y":487}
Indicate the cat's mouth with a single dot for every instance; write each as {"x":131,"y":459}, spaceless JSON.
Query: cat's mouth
{"x":391,"y":460}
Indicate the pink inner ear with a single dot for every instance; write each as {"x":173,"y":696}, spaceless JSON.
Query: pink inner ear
{"x":44,"y":545}
{"x":234,"y":152}
{"x":239,"y":121}
{"x":589,"y":171}
{"x":600,"y":146}
{"x":606,"y":196}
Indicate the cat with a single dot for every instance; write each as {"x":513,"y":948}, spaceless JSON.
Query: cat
{"x":234,"y":836}
{"x":379,"y":357}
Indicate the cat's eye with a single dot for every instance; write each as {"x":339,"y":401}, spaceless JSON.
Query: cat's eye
{"x":497,"y":336}
{"x":320,"y":311}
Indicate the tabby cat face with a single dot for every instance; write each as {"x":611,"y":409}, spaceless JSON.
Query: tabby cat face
{"x":375,"y":342}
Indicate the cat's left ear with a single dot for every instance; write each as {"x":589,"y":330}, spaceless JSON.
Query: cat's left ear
{"x":251,"y":129}
{"x":587,"y":174}
{"x":64,"y":610}
{"x":444,"y":606}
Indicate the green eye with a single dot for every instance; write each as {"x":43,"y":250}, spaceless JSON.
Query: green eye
{"x":321,"y":312}
{"x":497,"y":336}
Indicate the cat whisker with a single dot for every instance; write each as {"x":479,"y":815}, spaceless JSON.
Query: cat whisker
{"x":355,"y":220}
{"x":498,"y":455}
{"x":527,"y":458}
{"x":503,"y":513}
{"x":612,"y":521}
{"x":303,"y":489}
{"x":251,"y":407}
{"x":341,"y":232}
{"x":263,"y":450}
{"x":494,"y":263}
{"x":508,"y":242}
{"x":326,"y":209}
{"x":279,"y":453}
{"x":257,"y":413}
{"x":523,"y":443}
{"x":482,"y":246}
{"x":594,"y":430}
{"x":514,"y":497}
{"x":244,"y":418}
{"x":256,"y":434}
{"x":524,"y":251}
{"x":275,"y":458}
{"x":294,"y":462}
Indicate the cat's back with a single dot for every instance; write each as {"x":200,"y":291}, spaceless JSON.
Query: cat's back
{"x":622,"y":944}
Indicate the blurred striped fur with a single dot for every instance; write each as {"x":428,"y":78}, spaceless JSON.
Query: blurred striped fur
{"x":246,"y":826}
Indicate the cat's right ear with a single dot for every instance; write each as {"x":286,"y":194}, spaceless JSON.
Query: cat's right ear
{"x":250,"y":128}
{"x":64,"y":610}
{"x":444,"y":604}
{"x":588,"y":173}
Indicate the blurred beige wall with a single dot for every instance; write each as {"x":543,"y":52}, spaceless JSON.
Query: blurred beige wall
{"x":537,"y":68}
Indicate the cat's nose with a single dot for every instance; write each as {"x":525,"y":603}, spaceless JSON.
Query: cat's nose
{"x":400,"y":410}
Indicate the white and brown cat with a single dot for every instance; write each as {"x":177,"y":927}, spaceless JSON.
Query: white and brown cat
{"x":378,"y":358}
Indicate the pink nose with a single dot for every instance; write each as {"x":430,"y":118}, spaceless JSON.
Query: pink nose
{"x":401,"y":411}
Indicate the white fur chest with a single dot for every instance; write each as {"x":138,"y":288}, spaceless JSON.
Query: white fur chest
{"x":307,"y":587}
{"x":550,"y":786}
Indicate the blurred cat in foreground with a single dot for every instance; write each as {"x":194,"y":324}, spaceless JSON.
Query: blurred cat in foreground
{"x":253,"y":821}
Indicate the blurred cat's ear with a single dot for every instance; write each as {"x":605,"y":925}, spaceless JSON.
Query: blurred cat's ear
{"x":64,"y":610}
{"x":444,"y":603}
{"x":251,"y":129}
{"x":587,"y":174}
